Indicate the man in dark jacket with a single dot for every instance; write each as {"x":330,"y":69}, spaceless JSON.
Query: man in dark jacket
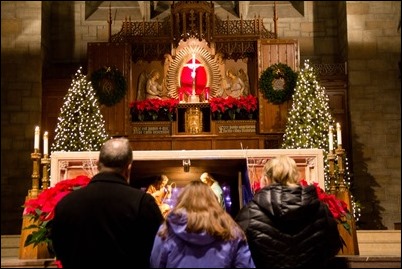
{"x":108,"y":223}
{"x":286,"y":225}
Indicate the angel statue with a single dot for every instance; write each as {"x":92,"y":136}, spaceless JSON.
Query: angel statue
{"x":148,"y":86}
{"x":244,"y":77}
{"x":235,"y":86}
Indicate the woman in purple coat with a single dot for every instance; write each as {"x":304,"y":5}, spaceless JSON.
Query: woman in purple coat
{"x":198,"y":233}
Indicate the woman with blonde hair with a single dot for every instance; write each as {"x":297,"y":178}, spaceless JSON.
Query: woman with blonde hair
{"x":198,"y":233}
{"x":286,"y":224}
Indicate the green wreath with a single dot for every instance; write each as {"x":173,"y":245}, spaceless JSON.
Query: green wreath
{"x":109,"y":84}
{"x":282,"y":74}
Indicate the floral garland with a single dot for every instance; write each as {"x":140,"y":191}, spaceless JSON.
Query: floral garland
{"x":285,"y":79}
{"x":109,"y":84}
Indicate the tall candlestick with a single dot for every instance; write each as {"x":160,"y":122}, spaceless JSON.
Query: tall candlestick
{"x":338,"y":133}
{"x":45,"y":143}
{"x":36,"y":141}
{"x":331,"y":139}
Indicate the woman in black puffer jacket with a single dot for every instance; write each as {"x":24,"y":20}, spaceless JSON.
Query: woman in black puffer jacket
{"x":286,"y":225}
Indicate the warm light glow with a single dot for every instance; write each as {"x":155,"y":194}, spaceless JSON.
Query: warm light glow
{"x":45,"y":144}
{"x":338,"y":133}
{"x":331,"y":139}
{"x":36,"y":140}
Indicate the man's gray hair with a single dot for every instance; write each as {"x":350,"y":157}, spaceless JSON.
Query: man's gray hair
{"x":116,"y":153}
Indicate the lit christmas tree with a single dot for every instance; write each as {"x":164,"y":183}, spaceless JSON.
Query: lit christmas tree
{"x":309,"y":121}
{"x":80,"y":125}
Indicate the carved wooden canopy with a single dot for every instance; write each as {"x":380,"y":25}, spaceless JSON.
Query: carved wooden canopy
{"x":151,"y":40}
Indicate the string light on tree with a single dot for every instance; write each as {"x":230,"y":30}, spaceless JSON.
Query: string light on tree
{"x":310,"y":122}
{"x":80,"y":125}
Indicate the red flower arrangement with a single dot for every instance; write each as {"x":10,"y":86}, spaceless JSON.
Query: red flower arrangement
{"x":243,"y":107}
{"x":153,"y":109}
{"x":338,"y":208}
{"x":41,"y":209}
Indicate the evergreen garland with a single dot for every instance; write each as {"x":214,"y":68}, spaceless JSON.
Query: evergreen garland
{"x":272,"y":73}
{"x":109,"y":84}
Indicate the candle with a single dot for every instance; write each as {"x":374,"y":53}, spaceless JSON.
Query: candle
{"x":206,"y":93}
{"x":331,"y":139}
{"x":338,"y":134}
{"x":36,"y":140}
{"x":45,"y":143}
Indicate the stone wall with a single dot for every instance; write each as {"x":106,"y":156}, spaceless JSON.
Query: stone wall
{"x":21,"y":96}
{"x":374,"y":52}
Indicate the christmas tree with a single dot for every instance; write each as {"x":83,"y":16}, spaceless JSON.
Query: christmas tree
{"x":309,"y":122}
{"x":310,"y":117}
{"x":80,"y":125}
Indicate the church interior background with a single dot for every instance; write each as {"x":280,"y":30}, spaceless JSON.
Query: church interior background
{"x":355,"y":46}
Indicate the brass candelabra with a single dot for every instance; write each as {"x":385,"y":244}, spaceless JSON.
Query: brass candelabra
{"x":45,"y":161}
{"x":336,"y":180}
{"x":35,"y":156}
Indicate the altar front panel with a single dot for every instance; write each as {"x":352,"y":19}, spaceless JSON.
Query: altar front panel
{"x":310,"y":162}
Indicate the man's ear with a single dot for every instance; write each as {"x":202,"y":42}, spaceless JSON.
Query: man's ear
{"x":128,"y":171}
{"x":98,"y":165}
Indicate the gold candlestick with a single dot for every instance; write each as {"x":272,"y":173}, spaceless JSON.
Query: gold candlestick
{"x":341,"y":171}
{"x":35,"y":156}
{"x":331,"y":160}
{"x":45,"y":175}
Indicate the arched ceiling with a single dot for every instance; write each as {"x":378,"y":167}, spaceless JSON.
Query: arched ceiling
{"x":148,"y":10}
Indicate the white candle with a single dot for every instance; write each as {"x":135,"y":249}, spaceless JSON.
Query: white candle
{"x":45,"y":143}
{"x":36,"y":141}
{"x":331,"y":139}
{"x":338,"y":133}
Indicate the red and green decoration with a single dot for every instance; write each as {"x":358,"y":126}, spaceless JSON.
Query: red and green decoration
{"x":277,"y":83}
{"x":109,"y":84}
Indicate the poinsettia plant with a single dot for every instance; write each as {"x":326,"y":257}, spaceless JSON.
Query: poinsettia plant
{"x":237,"y":108}
{"x":41,"y":209}
{"x":338,"y":208}
{"x":153,"y":109}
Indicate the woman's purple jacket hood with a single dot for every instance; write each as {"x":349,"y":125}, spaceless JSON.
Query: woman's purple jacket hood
{"x":197,"y":250}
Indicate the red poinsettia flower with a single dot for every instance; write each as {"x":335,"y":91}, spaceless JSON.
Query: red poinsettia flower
{"x":154,"y":104}
{"x":338,"y":208}
{"x":220,"y":104}
{"x":41,"y":209}
{"x":153,"y":107}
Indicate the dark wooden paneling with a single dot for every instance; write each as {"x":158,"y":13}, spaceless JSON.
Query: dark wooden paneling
{"x":54,"y":91}
{"x":273,"y":117}
{"x":118,"y":55}
{"x":336,"y":89}
{"x":236,"y":143}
